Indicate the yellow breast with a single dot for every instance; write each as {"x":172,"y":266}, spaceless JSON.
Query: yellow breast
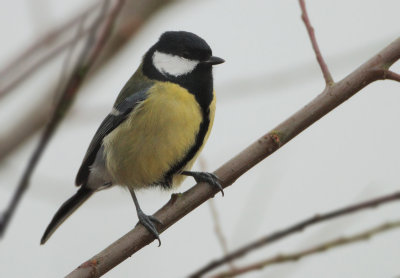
{"x":157,"y":134}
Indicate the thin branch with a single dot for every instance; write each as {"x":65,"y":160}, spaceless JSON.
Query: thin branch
{"x":181,"y":204}
{"x":365,"y":235}
{"x":95,"y":43}
{"x":47,"y":39}
{"x":388,"y":74}
{"x":23,"y":66}
{"x":298,"y":227}
{"x":28,"y":70}
{"x":64,"y":75}
{"x":324,"y":67}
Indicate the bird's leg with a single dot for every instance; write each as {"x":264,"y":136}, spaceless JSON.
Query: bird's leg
{"x":209,"y":178}
{"x":146,"y":220}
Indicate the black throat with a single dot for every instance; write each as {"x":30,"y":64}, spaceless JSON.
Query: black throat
{"x":199,"y":82}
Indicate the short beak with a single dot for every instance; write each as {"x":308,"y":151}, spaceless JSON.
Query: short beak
{"x":213,"y":60}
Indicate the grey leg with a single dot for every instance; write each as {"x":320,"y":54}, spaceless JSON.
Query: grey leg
{"x":146,"y":220}
{"x":209,"y":178}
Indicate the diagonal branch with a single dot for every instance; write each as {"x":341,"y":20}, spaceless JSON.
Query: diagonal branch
{"x":95,"y":43}
{"x":365,"y":235}
{"x":324,"y":67}
{"x":298,"y":227}
{"x":181,"y":204}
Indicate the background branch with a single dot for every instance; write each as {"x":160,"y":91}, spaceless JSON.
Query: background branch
{"x":298,"y":227}
{"x":95,"y":42}
{"x":311,"y":251}
{"x":22,"y":75}
{"x":19,"y":69}
{"x":181,"y":204}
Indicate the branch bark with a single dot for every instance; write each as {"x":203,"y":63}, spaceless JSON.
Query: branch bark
{"x":181,"y":204}
{"x":365,"y":235}
{"x":298,"y":227}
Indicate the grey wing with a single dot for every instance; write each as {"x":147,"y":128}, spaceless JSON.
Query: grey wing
{"x":115,"y":118}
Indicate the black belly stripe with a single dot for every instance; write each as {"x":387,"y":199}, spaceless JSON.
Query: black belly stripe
{"x":192,"y":151}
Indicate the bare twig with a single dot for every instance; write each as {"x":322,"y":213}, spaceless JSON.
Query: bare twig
{"x":23,"y":66}
{"x":298,"y":227}
{"x":182,"y":204}
{"x":48,"y":39}
{"x":324,"y":67}
{"x":365,"y":235}
{"x":64,"y":75}
{"x":13,"y":83}
{"x":91,"y":51}
{"x":391,"y":75}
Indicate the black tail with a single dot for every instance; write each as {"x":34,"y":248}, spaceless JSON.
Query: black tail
{"x":66,"y":210}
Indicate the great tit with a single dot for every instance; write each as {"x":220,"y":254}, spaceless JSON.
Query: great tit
{"x":156,"y":129}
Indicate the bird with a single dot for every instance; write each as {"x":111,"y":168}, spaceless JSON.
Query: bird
{"x":156,"y":129}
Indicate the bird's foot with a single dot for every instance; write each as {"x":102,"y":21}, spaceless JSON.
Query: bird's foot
{"x":148,"y":222}
{"x":209,"y":178}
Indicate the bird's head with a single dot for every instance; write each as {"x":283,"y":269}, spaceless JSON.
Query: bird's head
{"x":178,"y":55}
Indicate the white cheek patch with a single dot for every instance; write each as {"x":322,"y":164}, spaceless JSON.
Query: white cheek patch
{"x":172,"y":64}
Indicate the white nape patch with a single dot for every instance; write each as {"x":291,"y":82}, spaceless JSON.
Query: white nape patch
{"x":173,"y":64}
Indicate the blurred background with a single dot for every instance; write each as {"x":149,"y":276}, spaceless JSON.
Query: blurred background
{"x":270,"y":72}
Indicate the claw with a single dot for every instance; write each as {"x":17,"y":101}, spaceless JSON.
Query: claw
{"x":148,"y":222}
{"x":154,"y":219}
{"x":214,"y":181}
{"x":209,"y":178}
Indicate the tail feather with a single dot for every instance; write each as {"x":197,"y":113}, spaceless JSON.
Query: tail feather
{"x":65,"y":211}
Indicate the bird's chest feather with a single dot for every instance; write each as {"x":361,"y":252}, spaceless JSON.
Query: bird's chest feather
{"x":155,"y":136}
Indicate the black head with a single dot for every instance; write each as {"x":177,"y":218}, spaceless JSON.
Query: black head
{"x":178,"y":53}
{"x":184,"y":44}
{"x":183,"y":58}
